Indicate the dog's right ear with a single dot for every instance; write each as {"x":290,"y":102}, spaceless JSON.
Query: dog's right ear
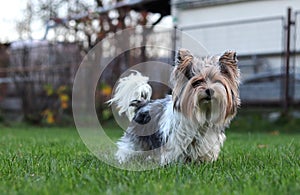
{"x":184,"y":63}
{"x":228,"y":65}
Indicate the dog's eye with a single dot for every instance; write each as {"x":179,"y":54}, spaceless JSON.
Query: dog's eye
{"x":197,"y":83}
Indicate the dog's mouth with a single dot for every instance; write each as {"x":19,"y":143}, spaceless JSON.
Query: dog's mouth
{"x":206,"y":100}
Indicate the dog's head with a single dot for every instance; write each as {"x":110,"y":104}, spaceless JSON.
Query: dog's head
{"x":206,"y":90}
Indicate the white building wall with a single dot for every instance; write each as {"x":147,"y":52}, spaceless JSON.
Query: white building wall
{"x":257,"y":37}
{"x":235,"y":11}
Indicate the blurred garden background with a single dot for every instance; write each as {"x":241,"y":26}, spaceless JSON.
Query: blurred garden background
{"x":49,"y":39}
{"x":43,"y":42}
{"x":37,"y":70}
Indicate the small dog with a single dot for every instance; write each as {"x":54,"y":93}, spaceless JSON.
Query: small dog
{"x":187,"y":126}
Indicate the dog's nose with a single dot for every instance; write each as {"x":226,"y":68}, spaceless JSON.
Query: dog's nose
{"x":209,"y":92}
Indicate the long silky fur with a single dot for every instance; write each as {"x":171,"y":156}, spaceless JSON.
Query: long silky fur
{"x":189,"y":125}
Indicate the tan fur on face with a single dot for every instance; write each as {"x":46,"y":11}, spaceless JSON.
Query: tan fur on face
{"x":192,"y":76}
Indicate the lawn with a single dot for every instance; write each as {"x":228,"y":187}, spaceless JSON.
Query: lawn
{"x":36,"y":160}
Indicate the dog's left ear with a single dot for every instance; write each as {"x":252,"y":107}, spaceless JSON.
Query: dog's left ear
{"x":229,"y":68}
{"x":228,"y":65}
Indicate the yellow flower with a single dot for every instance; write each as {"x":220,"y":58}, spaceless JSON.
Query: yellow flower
{"x":49,"y":116}
{"x":64,"y":98}
{"x":61,"y":89}
{"x":106,"y":90}
{"x":49,"y":90}
{"x":50,"y":119}
{"x":64,"y":105}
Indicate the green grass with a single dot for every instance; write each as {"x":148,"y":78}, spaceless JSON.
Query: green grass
{"x":36,"y":160}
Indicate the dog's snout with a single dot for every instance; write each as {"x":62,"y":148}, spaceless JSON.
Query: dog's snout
{"x":209,"y":92}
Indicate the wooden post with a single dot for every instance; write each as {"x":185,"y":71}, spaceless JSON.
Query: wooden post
{"x":174,"y":46}
{"x":286,"y":100}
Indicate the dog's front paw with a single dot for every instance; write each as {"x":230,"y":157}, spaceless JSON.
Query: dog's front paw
{"x":165,"y":160}
{"x":122,"y":156}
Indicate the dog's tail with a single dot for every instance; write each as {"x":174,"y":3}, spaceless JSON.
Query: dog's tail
{"x":130,"y":88}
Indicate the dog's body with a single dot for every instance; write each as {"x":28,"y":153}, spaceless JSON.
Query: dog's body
{"x":188,"y":125}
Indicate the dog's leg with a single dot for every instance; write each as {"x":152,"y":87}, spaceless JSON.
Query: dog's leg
{"x":125,"y":149}
{"x":213,"y":154}
{"x":123,"y":155}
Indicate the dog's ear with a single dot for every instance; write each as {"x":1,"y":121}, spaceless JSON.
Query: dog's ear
{"x":228,"y":65}
{"x":184,"y":63}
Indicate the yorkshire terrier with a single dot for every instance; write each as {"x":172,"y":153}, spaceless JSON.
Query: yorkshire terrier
{"x":187,"y":126}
